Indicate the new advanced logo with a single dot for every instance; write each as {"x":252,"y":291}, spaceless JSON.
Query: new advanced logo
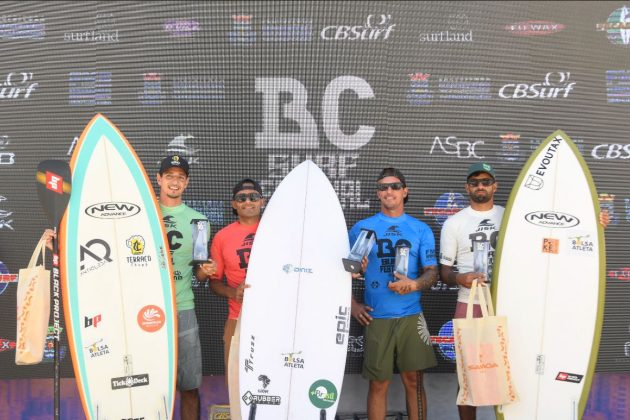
{"x":552,"y":219}
{"x":112,"y":210}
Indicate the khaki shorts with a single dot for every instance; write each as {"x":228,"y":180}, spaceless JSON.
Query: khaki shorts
{"x":405,"y":342}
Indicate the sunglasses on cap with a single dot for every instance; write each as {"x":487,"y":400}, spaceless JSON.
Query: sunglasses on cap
{"x":383,"y":186}
{"x":486,"y":182}
{"x":253,"y":197}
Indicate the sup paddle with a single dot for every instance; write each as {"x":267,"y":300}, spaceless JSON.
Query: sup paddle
{"x":53,"y":189}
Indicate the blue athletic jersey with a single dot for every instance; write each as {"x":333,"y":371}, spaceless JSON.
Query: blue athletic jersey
{"x":392,"y":231}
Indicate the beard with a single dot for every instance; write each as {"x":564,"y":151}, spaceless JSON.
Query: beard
{"x":481,"y":198}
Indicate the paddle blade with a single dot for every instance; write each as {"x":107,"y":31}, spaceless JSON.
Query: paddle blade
{"x":53,"y":188}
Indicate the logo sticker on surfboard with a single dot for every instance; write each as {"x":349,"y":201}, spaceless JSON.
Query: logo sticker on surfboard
{"x":552,"y":219}
{"x":112,"y":210}
{"x":323,"y":394}
{"x":151,"y":318}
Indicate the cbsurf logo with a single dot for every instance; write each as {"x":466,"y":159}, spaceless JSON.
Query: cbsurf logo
{"x":112,"y":210}
{"x":552,"y":219}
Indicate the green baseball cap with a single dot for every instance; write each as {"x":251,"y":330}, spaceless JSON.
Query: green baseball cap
{"x":480,"y":167}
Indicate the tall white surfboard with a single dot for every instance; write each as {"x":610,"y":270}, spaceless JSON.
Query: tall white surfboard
{"x":296,"y":314}
{"x":550,"y":282}
{"x":117,"y":282}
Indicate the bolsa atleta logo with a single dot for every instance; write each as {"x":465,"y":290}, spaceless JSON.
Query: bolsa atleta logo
{"x":323,"y":394}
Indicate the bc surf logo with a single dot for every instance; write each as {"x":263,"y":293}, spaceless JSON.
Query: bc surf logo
{"x":112,"y":210}
{"x":552,"y":219}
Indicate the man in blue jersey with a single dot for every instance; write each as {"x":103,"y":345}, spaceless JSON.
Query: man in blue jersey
{"x":396,"y":331}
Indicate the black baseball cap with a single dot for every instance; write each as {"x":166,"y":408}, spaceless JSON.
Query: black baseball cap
{"x":246,"y":184}
{"x":174,"y":161}
{"x":392,"y":172}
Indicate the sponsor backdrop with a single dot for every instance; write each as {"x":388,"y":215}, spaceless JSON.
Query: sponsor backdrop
{"x":252,"y":89}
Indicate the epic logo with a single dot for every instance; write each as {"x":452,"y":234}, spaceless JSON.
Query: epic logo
{"x":94,"y":321}
{"x":343,"y":324}
{"x":112,"y":210}
{"x":307,"y":136}
{"x":552,"y":219}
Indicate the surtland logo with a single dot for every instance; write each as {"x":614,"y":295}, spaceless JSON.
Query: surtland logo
{"x":552,"y":219}
{"x":534,"y":28}
{"x":112,"y":210}
{"x":617,"y":27}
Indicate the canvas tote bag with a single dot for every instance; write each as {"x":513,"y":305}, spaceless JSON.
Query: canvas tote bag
{"x":481,"y":348}
{"x":33,"y":308}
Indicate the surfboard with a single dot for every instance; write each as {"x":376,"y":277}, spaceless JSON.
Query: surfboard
{"x":117,"y":285}
{"x":550,"y":282}
{"x":232,"y":373}
{"x":296,"y":314}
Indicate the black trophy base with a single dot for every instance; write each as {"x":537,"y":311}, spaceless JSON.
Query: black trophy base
{"x":351,"y":266}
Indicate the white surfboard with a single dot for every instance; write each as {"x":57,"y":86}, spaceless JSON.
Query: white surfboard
{"x":296,"y":314}
{"x":550,"y":281}
{"x":117,"y":282}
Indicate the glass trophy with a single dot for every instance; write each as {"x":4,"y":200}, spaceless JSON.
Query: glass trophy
{"x":199,"y":228}
{"x":402,"y":260}
{"x":361,"y":248}
{"x":481,"y":250}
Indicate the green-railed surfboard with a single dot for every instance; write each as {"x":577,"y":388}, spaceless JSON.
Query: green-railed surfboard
{"x":549,"y":280}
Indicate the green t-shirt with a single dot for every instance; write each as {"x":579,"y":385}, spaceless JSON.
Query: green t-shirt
{"x":177,"y":221}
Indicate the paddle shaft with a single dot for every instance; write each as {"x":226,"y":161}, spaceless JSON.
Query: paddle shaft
{"x":56,"y":297}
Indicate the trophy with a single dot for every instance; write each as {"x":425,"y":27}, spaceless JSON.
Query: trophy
{"x":480,"y":257}
{"x":361,"y":248}
{"x":402,"y":260}
{"x":199,"y":228}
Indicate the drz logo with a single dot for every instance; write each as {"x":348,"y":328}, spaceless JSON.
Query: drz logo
{"x":87,"y":250}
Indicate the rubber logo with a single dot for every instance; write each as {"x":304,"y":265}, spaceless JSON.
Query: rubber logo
{"x":112,"y":210}
{"x":552,"y":219}
{"x":151,"y":318}
{"x":323,"y":393}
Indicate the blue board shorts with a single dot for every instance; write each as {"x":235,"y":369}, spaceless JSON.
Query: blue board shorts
{"x":189,"y":374}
